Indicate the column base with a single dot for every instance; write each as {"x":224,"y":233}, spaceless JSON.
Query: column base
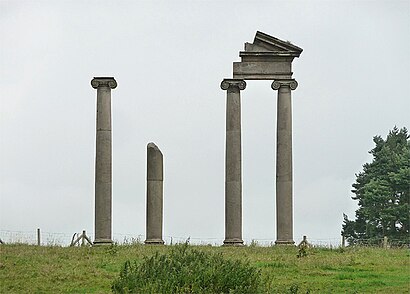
{"x":102,"y":242}
{"x":154,"y":242}
{"x":285,"y":242}
{"x":233,"y":242}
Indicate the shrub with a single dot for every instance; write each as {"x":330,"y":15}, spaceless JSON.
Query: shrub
{"x":187,"y":270}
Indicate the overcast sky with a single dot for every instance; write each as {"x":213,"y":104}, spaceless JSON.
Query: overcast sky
{"x":169,"y":58}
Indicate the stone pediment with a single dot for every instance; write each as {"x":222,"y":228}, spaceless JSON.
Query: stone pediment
{"x":267,"y":58}
{"x":264,"y":44}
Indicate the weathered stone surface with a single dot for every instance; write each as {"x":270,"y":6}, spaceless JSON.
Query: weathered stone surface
{"x":233,"y":165}
{"x":103,"y":161}
{"x":264,"y":43}
{"x":155,"y":188}
{"x":99,"y":82}
{"x":284,"y":179}
{"x":262,"y":70}
{"x":154,"y":163}
{"x":267,"y":58}
{"x":293,"y":84}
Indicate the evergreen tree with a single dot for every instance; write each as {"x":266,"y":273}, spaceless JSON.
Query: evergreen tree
{"x":383,"y":193}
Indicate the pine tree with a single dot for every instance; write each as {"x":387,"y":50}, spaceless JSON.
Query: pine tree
{"x":383,"y":193}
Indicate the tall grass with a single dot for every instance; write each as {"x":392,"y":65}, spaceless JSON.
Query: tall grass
{"x":187,"y":270}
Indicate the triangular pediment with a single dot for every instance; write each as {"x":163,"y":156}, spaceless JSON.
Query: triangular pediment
{"x":267,"y":58}
{"x":264,"y":43}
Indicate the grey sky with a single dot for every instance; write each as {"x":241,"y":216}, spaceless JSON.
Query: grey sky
{"x":169,"y":58}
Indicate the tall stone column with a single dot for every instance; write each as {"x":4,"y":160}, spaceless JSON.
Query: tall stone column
{"x":103,"y":159}
{"x":233,"y":165}
{"x":284,"y":206}
{"x":155,"y":178}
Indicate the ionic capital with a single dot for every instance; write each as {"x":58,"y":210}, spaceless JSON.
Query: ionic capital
{"x":238,"y":83}
{"x":292,"y":84}
{"x":104,"y":82}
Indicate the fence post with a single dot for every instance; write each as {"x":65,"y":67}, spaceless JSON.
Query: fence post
{"x":38,"y":237}
{"x":83,"y":238}
{"x":385,"y":242}
{"x":343,"y":241}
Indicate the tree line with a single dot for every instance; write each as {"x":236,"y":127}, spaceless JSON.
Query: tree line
{"x":382,"y":190}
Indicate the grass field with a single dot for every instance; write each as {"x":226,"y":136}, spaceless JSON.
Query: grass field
{"x":41,"y":269}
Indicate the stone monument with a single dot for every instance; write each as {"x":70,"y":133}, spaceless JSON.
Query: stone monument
{"x":103,"y":158}
{"x":233,"y":163}
{"x":267,"y":58}
{"x":155,"y":179}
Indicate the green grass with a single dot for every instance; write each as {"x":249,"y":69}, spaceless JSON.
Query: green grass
{"x":185,"y":269}
{"x":33,"y":269}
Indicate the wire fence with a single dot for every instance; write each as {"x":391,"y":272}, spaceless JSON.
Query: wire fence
{"x":65,"y":239}
{"x":31,"y":238}
{"x":380,"y":242}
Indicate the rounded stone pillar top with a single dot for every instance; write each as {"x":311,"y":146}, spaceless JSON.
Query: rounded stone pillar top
{"x":97,"y":82}
{"x":154,"y":163}
{"x":239,"y":83}
{"x":291,"y":83}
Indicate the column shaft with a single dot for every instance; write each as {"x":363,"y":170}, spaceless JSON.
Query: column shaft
{"x":284,"y":206}
{"x":154,"y":195}
{"x":103,"y":164}
{"x":233,"y":165}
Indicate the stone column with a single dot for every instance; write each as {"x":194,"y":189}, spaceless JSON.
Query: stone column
{"x":155,"y":178}
{"x":233,"y":165}
{"x":103,"y":157}
{"x":284,"y":206}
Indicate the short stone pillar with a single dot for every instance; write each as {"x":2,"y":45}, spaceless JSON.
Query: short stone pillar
{"x":233,"y":162}
{"x":103,"y":158}
{"x":155,"y":180}
{"x":284,"y":206}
